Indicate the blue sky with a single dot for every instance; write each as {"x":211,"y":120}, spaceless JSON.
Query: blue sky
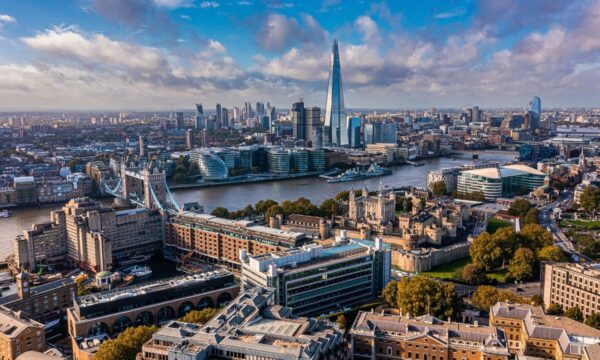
{"x":169,"y":54}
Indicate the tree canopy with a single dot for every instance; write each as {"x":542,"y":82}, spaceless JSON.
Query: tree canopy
{"x":126,"y":345}
{"x":420,"y":295}
{"x":438,"y":188}
{"x":200,"y":316}
{"x":486,"y":296}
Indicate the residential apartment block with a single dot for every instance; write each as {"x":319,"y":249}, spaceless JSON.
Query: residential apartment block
{"x":90,"y":236}
{"x":219,"y":241}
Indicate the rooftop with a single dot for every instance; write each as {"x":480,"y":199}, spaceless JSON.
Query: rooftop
{"x":12,"y":323}
{"x":120,"y":293}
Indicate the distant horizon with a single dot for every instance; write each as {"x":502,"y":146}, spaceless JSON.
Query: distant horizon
{"x":349,"y":111}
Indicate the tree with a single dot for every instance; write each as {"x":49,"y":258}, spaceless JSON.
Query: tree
{"x":420,"y":295}
{"x":531,"y":217}
{"x":554,"y":309}
{"x":273,"y":211}
{"x":262,"y":206}
{"x":522,"y":265}
{"x":126,"y":345}
{"x":472,"y":274}
{"x":343,"y":196}
{"x":593,"y":321}
{"x":574,"y":313}
{"x":519,"y":207}
{"x":537,"y":300}
{"x":80,"y":286}
{"x":390,"y":293}
{"x":552,"y":253}
{"x":590,"y":199}
{"x":179,"y":178}
{"x":330,"y":207}
{"x":341,"y":321}
{"x":485,"y":252}
{"x":486,"y":296}
{"x":438,"y":188}
{"x":535,"y":237}
{"x":200,"y":316}
{"x":220,"y":212}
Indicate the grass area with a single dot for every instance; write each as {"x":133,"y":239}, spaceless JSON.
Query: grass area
{"x":581,"y":224}
{"x":447,"y":271}
{"x":499,"y":275}
{"x":495,"y":224}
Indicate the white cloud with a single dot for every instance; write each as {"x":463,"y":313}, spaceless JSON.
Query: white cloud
{"x":6,"y":19}
{"x":456,"y":12}
{"x":367,"y":27}
{"x":216,"y":46}
{"x":96,"y":49}
{"x":209,"y":4}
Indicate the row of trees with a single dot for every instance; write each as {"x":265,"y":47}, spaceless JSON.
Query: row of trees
{"x":420,"y":295}
{"x":268,"y":208}
{"x":473,"y":196}
{"x":586,"y":244}
{"x":521,"y":253}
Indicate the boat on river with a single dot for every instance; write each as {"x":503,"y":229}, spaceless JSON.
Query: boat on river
{"x":374,"y":170}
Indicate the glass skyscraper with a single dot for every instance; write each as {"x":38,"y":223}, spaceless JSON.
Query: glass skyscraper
{"x":535,"y":112}
{"x":354,"y":131}
{"x":335,"y":112}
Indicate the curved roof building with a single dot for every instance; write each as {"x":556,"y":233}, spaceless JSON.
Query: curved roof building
{"x":211,"y":166}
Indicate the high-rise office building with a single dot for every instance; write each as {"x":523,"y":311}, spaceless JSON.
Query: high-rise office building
{"x":248,"y":113}
{"x":354,"y":131}
{"x":272,"y":117}
{"x":298,"y":121}
{"x":199,"y":124}
{"x":389,"y":133}
{"x":314,"y":129}
{"x":189,"y":138}
{"x":219,"y":113}
{"x":534,"y":112}
{"x":180,"y":122}
{"x":143,"y":144}
{"x":224,"y":117}
{"x":335,"y":112}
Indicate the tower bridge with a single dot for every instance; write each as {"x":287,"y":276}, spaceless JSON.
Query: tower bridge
{"x":144,"y":184}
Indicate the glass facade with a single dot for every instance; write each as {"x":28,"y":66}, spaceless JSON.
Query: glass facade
{"x":535,"y":112}
{"x":210,"y":165}
{"x":335,"y":112}
{"x":354,"y":132}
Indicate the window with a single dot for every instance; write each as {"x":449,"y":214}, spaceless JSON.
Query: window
{"x":389,"y":350}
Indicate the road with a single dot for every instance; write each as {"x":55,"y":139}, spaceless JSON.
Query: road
{"x":548,"y":221}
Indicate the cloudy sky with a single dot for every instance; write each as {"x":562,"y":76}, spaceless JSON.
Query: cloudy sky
{"x":400,"y":54}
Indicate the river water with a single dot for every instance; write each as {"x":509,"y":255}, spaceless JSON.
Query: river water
{"x":235,"y":197}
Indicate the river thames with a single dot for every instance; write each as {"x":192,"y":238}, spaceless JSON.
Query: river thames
{"x":235,"y":197}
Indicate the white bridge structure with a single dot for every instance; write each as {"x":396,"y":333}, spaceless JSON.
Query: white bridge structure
{"x":144,"y":185}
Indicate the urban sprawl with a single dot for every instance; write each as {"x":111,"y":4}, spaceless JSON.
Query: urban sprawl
{"x":490,"y":260}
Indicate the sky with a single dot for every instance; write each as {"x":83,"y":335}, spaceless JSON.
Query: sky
{"x":399,"y":54}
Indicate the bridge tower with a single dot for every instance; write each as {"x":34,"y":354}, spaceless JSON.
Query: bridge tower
{"x":154,"y":180}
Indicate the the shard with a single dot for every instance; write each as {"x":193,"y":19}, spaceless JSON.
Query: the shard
{"x":335,"y":113}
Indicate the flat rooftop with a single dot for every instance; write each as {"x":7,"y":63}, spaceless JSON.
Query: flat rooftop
{"x":148,"y":288}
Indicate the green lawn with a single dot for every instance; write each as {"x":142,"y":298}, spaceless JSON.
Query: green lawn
{"x":447,"y":271}
{"x":581,"y":223}
{"x":495,"y":224}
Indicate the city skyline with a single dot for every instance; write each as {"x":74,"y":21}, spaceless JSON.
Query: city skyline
{"x":170,"y":54}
